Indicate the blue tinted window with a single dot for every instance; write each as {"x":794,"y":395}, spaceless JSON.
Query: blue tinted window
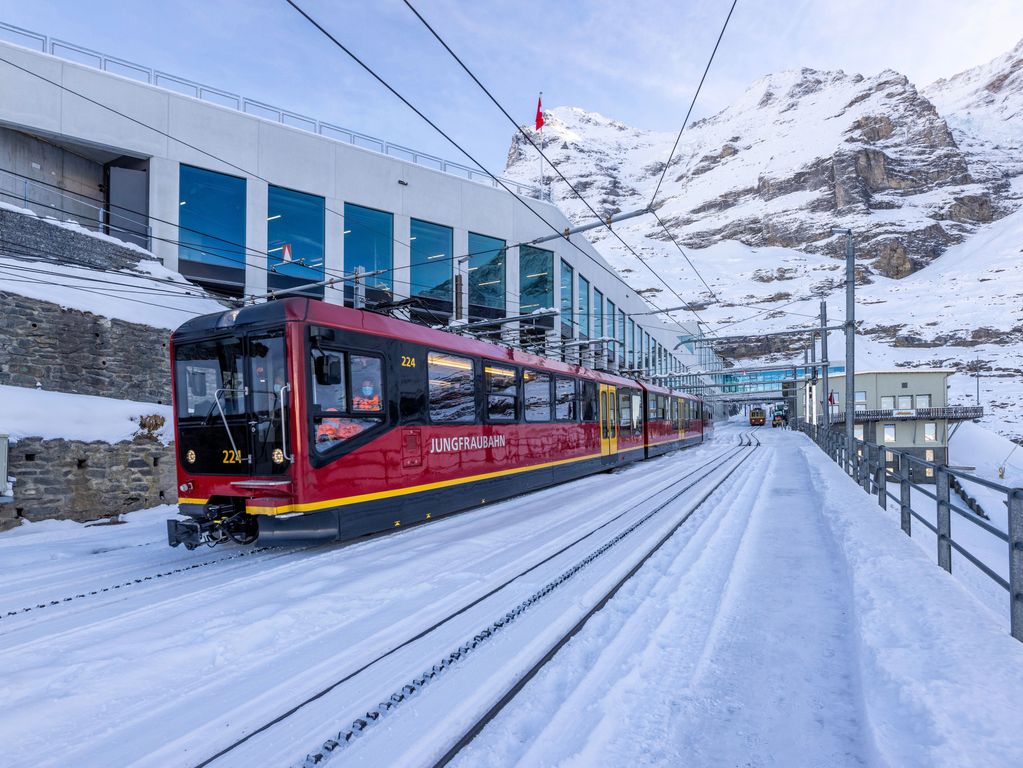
{"x":566,"y":299}
{"x":487,"y":269}
{"x":431,"y":259}
{"x":369,"y":244}
{"x":536,"y":279}
{"x":211,"y":217}
{"x":598,"y":313}
{"x":584,"y":306}
{"x":295,"y":237}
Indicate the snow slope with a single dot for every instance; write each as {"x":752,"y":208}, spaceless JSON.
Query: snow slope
{"x":932,"y":191}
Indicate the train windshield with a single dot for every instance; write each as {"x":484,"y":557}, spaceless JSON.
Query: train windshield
{"x":232,"y":398}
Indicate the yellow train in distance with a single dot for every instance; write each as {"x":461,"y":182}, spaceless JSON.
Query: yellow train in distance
{"x":757,"y":417}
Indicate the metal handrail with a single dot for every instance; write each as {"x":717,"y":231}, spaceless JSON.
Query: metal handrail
{"x":159,"y":79}
{"x":897,"y":414}
{"x":868,"y":466}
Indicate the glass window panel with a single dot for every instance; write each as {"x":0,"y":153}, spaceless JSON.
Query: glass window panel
{"x":487,"y":270}
{"x":923,"y":401}
{"x":430,"y":247}
{"x":889,"y":433}
{"x":567,"y":296}
{"x":452,"y":388}
{"x":295,"y":238}
{"x":632,"y":343}
{"x":211,"y":218}
{"x":209,"y":372}
{"x":369,"y":244}
{"x":367,"y":389}
{"x":624,"y":411}
{"x":929,"y":455}
{"x":621,"y":333}
{"x":584,"y":306}
{"x":565,"y":400}
{"x":598,"y":313}
{"x":858,"y":431}
{"x":536,"y":279}
{"x":502,"y":392}
{"x":610,"y":315}
{"x":536,"y":389}
{"x":888,"y":402}
{"x":589,"y":400}
{"x":905,"y":402}
{"x":930,"y":432}
{"x":861,"y":397}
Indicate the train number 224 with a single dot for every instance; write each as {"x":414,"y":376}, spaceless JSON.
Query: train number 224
{"x":232,"y":457}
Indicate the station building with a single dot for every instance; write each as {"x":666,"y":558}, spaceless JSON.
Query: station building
{"x":902,"y":409}
{"x":248,"y":200}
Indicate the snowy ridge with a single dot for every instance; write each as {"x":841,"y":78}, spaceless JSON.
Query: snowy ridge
{"x":932,"y":191}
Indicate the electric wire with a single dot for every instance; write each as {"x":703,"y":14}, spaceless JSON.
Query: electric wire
{"x":604,"y":221}
{"x":692,"y":104}
{"x":369,"y":70}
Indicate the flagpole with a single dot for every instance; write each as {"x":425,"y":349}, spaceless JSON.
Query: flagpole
{"x":539,"y":103}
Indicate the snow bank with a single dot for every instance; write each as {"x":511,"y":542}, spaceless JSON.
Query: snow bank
{"x":39,"y":413}
{"x":943,"y":681}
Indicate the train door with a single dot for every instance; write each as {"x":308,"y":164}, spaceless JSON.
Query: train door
{"x":608,"y":420}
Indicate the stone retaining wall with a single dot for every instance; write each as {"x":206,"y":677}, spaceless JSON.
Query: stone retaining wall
{"x":76,"y":480}
{"x":68,"y":350}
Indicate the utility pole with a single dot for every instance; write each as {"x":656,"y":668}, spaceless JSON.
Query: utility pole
{"x":850,"y":338}
{"x":977,"y":366}
{"x":826,"y":409}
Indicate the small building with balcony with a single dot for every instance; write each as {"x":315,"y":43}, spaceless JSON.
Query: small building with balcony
{"x":900,"y":409}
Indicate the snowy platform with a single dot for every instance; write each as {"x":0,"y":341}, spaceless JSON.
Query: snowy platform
{"x":786,"y":622}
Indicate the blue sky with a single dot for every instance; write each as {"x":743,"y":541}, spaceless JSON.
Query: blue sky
{"x":637,"y":61}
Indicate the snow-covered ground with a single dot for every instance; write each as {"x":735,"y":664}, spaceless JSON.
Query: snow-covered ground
{"x":787,"y":622}
{"x":28,"y":412}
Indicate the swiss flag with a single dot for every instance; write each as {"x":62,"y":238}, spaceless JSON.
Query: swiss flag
{"x":539,"y":113}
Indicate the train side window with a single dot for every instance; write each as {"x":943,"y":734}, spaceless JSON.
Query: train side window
{"x":637,"y":414}
{"x":565,"y":402}
{"x":502,"y":392}
{"x":452,"y":388}
{"x":624,"y":412}
{"x":674,"y":412}
{"x":536,"y":389}
{"x":366,"y":379}
{"x":335,"y":406}
{"x":589,"y":401}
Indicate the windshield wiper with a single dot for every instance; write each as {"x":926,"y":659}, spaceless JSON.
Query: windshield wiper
{"x":223,"y":416}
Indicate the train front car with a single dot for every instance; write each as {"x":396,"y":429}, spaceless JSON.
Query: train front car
{"x":236,"y":430}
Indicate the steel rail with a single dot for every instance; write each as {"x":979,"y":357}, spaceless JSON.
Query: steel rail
{"x":345,"y":737}
{"x":723,"y":456}
{"x":473,"y":731}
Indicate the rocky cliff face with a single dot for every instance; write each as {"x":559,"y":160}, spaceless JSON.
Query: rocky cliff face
{"x":929,"y":181}
{"x":799,"y":154}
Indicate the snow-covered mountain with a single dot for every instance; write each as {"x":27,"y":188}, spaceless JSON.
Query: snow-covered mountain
{"x":930,"y":182}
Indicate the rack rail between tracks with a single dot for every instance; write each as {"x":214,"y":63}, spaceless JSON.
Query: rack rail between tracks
{"x":746,"y":444}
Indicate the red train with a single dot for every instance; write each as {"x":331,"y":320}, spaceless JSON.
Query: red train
{"x":298,"y":420}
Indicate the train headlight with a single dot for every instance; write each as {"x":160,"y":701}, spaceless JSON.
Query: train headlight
{"x":278,"y":456}
{"x":190,"y":456}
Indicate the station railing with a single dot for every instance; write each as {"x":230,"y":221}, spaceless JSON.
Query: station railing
{"x":952,"y":412}
{"x":182,"y":85}
{"x":877,"y":468}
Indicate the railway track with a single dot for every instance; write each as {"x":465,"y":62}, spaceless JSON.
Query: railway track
{"x":633,"y":517}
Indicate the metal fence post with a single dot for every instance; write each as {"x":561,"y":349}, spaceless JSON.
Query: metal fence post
{"x":882,"y":480}
{"x":905,"y":495}
{"x":865,"y":468}
{"x":944,"y":520}
{"x":1015,"y":502}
